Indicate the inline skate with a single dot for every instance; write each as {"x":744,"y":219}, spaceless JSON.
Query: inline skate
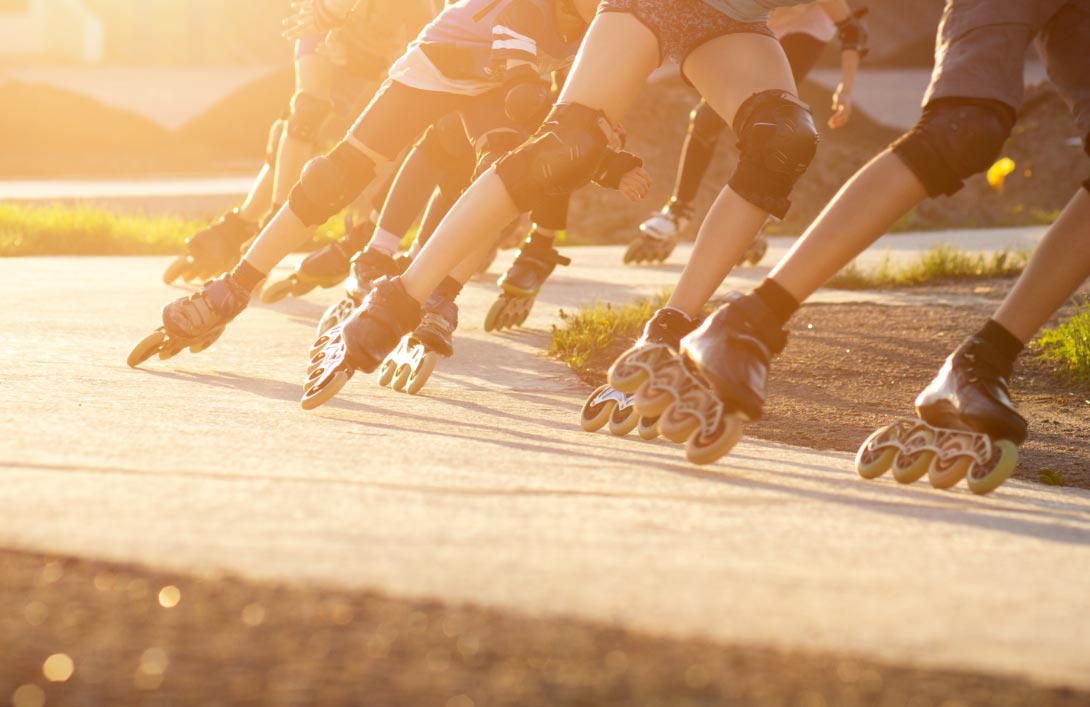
{"x":967,"y":427}
{"x":362,"y":342}
{"x":368,"y":266}
{"x":522,"y":282}
{"x":326,"y":267}
{"x":756,"y":251}
{"x":408,"y":368}
{"x":659,"y":235}
{"x":194,"y":322}
{"x":212,"y":251}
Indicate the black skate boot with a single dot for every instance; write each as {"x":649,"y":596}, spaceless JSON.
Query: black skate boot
{"x":368,"y":266}
{"x":326,"y":267}
{"x":614,"y":403}
{"x":194,"y":322}
{"x":522,"y":282}
{"x":967,"y":427}
{"x":362,"y":342}
{"x":408,"y":368}
{"x":732,"y":351}
{"x":213,"y":251}
{"x":659,"y":235}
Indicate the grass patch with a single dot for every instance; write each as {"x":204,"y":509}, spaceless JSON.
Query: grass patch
{"x":592,"y":331}
{"x":63,"y":230}
{"x":1068,"y":344}
{"x":1051,"y":477}
{"x":939,"y":263}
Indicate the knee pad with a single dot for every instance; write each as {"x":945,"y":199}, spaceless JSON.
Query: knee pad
{"x":705,"y":125}
{"x":272,"y":147}
{"x":567,"y":151}
{"x":954,"y":139}
{"x":777,"y":141}
{"x":492,"y":146}
{"x":308,"y":115}
{"x":330,"y":183}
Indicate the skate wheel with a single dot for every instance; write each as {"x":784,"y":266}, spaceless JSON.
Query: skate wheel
{"x":652,"y":401}
{"x":594,"y":416}
{"x":524,"y":315}
{"x":985,"y":478}
{"x":944,"y":475}
{"x":204,"y":343}
{"x":323,"y":390}
{"x":909,"y":468}
{"x":491,"y":320}
{"x":300,"y":288}
{"x":277,"y":291}
{"x":875,"y":455}
{"x":623,"y":420}
{"x":386,"y":372}
{"x":677,"y":425}
{"x":648,"y":428}
{"x":708,"y":445}
{"x":419,"y":377}
{"x":148,"y":347}
{"x":176,"y":270}
{"x":401,"y":378}
{"x":171,"y":348}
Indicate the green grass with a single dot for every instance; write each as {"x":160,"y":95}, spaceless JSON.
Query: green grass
{"x":592,"y":330}
{"x":1051,"y":477}
{"x":1068,"y":344}
{"x":63,"y":230}
{"x":939,"y":263}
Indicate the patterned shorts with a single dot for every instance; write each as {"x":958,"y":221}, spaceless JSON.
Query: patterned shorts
{"x":682,"y":25}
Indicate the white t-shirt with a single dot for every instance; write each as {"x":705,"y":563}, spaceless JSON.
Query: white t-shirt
{"x":802,"y":19}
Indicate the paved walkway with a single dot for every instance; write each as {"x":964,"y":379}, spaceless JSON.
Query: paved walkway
{"x":483,"y":489}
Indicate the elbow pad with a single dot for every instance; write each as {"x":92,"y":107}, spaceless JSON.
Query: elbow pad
{"x":853,"y":34}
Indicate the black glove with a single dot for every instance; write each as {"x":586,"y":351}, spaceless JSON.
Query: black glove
{"x":615,"y":166}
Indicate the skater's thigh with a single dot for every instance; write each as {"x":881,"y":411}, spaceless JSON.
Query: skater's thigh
{"x":729,"y":69}
{"x":313,"y":72}
{"x":617,"y":55}
{"x":398,"y":114}
{"x":1063,"y":44}
{"x":803,"y":52}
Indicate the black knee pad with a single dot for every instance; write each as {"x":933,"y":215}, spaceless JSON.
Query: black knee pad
{"x":954,"y":139}
{"x":492,"y":146}
{"x":565,"y":153}
{"x":705,"y":125}
{"x":777,"y":140}
{"x":272,"y":147}
{"x":330,"y":183}
{"x":308,"y":115}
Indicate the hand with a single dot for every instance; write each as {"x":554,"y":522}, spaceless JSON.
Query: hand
{"x":635,"y":183}
{"x":302,"y":22}
{"x":842,"y":108}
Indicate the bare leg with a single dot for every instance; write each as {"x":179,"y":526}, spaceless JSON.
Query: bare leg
{"x":727,"y":71}
{"x":598,"y":80}
{"x":313,"y":76}
{"x":1060,"y":264}
{"x":259,"y":200}
{"x":864,"y":209}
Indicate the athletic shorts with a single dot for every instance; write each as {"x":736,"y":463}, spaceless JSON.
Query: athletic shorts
{"x":982,"y":44}
{"x":682,"y":25}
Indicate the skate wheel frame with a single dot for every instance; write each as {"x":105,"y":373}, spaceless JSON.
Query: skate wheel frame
{"x":649,"y":250}
{"x":507,"y":312}
{"x":328,"y":370}
{"x":598,"y":408}
{"x":409,"y":367}
{"x":912,"y":448}
{"x":149,"y":346}
{"x":337,"y":314}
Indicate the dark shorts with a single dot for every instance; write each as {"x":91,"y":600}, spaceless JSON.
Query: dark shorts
{"x":682,"y":25}
{"x":982,"y":43}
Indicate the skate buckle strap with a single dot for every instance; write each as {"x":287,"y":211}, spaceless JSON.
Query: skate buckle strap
{"x":391,"y":305}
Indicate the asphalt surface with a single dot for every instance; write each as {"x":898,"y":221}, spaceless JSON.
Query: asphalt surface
{"x":483,"y":489}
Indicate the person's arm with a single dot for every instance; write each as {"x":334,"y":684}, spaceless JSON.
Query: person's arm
{"x":853,"y":42}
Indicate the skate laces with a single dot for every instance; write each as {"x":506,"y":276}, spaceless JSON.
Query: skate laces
{"x":748,"y":315}
{"x":982,"y":364}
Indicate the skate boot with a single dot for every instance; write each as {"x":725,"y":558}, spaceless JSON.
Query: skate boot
{"x":367,"y":266}
{"x":756,"y":251}
{"x":967,"y":427}
{"x":362,"y":342}
{"x":193,"y":322}
{"x":213,"y":251}
{"x":326,"y":267}
{"x":617,"y":405}
{"x":408,"y":368}
{"x":716,"y":382}
{"x":522,"y":282}
{"x":658,"y":235}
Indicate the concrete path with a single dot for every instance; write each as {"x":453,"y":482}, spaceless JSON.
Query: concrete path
{"x":483,"y":489}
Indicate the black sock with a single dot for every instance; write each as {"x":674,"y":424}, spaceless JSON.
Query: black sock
{"x":1002,"y":341}
{"x":449,"y":288}
{"x":247,"y":276}
{"x":776,"y":298}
